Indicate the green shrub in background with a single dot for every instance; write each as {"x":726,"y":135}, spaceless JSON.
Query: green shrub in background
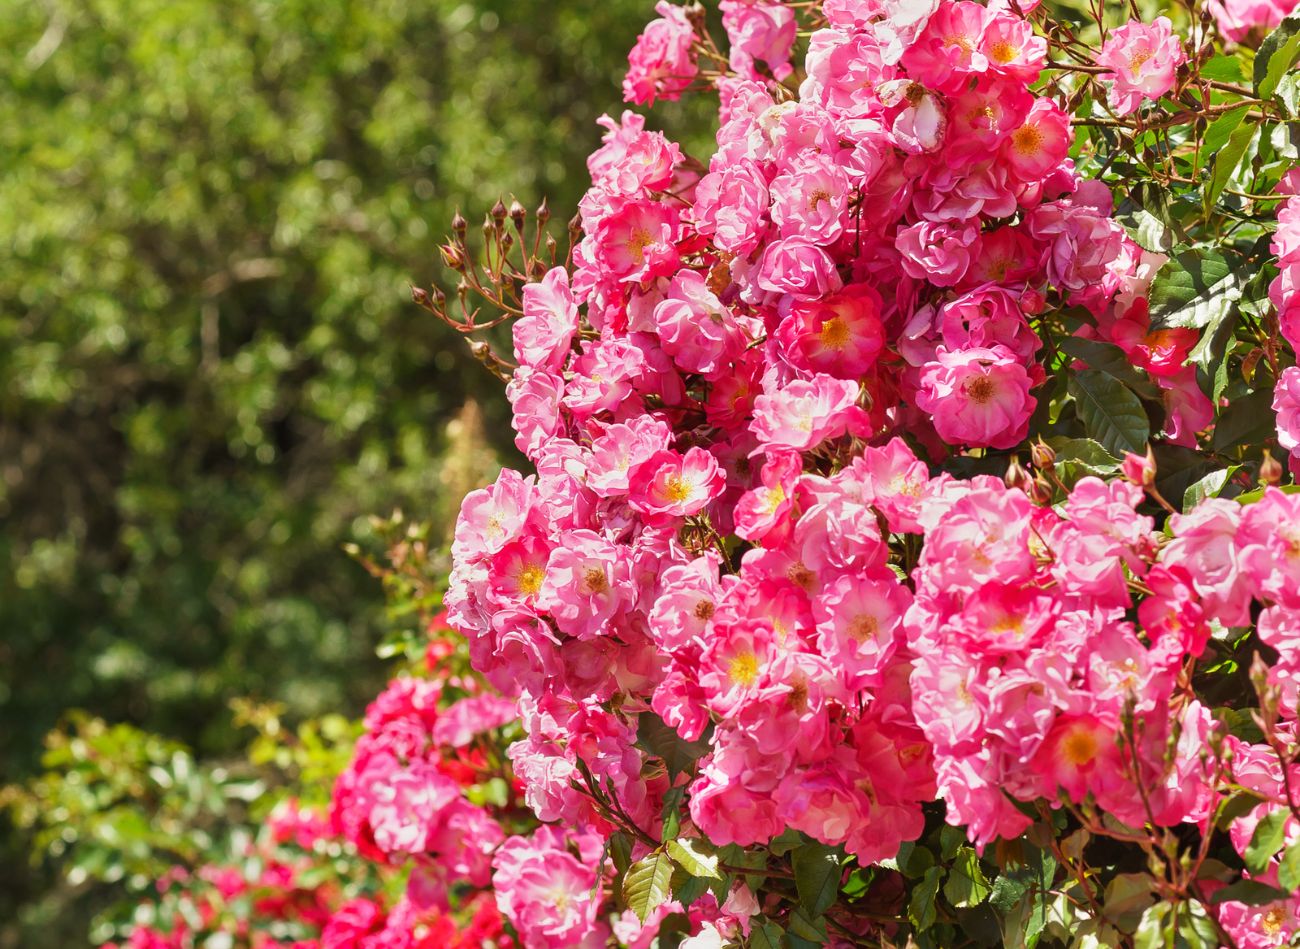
{"x":209,"y":365}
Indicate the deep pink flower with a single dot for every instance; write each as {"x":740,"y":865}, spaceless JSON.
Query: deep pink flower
{"x":661,"y":64}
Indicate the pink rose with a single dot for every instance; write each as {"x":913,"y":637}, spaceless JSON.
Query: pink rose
{"x":977,"y":397}
{"x":1143,"y":62}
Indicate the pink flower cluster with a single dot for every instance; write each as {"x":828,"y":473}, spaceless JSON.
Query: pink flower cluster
{"x":1239,"y":19}
{"x":712,"y":397}
{"x":1284,"y":292}
{"x":1029,"y":670}
{"x":401,"y":799}
{"x":275,"y":896}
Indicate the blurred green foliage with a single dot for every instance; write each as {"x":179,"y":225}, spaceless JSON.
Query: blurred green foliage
{"x":209,"y":365}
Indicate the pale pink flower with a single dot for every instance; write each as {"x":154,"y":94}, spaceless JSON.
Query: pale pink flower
{"x":667,"y":485}
{"x":1286,"y":403}
{"x":1143,"y":61}
{"x":978,"y":397}
{"x":804,"y":413}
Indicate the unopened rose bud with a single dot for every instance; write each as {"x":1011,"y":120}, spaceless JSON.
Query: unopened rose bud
{"x":1042,"y":455}
{"x":575,"y":227}
{"x":1041,"y":491}
{"x":1138,"y":469}
{"x":1270,"y":470}
{"x":459,"y":224}
{"x":452,"y":257}
{"x":419,"y":296}
{"x":1017,"y":476}
{"x":498,"y":211}
{"x":517,"y":213}
{"x":543,"y":213}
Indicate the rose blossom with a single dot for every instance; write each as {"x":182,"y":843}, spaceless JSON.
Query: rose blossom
{"x":1143,"y":62}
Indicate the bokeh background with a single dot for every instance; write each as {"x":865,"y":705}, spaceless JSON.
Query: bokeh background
{"x":210,"y":367}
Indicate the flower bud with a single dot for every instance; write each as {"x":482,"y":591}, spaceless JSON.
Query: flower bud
{"x":517,"y":213}
{"x":498,"y":211}
{"x":1139,"y":470}
{"x":1270,"y":470}
{"x":1041,"y":491}
{"x":543,"y":213}
{"x":1017,"y":476}
{"x":459,"y":225}
{"x":1042,"y":455}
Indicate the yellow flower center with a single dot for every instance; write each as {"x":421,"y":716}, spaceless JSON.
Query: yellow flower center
{"x":863,"y":627}
{"x":743,"y":669}
{"x":1003,"y":52}
{"x":1079,"y":747}
{"x":835,"y":333}
{"x":1027,"y":140}
{"x":530,"y":579}
{"x":980,"y":389}
{"x":676,"y":489}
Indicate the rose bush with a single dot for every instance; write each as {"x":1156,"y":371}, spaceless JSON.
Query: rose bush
{"x":907,"y":557}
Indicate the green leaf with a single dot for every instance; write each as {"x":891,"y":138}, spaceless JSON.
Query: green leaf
{"x":662,"y":741}
{"x":1127,"y":898}
{"x":1227,"y":160}
{"x":1196,"y":930}
{"x":1084,"y":453}
{"x":1288,"y":874}
{"x":1219,"y":131}
{"x":1276,"y":55}
{"x":1109,"y":358}
{"x":691,"y":856}
{"x":786,"y":841}
{"x":921,"y":908}
{"x":765,"y":935}
{"x":809,"y":928}
{"x":620,"y":851}
{"x":1192,"y":289}
{"x":671,"y":814}
{"x":647,"y":884}
{"x":687,"y":889}
{"x":1112,"y":414}
{"x":1249,"y":420}
{"x":1153,"y":927}
{"x":1208,"y":487}
{"x":1222,"y":68}
{"x":816,"y":876}
{"x":966,"y":884}
{"x":1238,"y":805}
{"x":1250,"y":892}
{"x":1267,"y":840}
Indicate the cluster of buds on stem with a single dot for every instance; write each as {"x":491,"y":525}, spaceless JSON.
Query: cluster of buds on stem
{"x":512,"y":255}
